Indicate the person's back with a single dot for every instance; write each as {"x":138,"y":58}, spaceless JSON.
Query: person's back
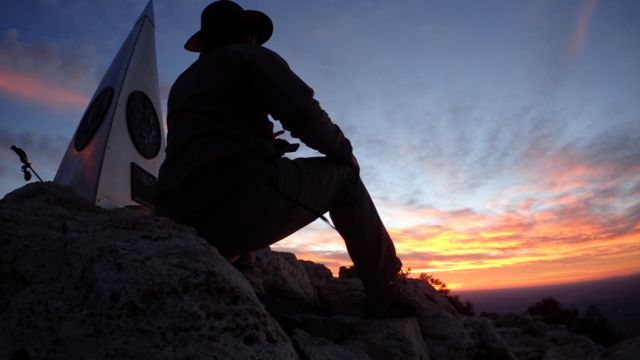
{"x":224,"y":174}
{"x":214,"y":120}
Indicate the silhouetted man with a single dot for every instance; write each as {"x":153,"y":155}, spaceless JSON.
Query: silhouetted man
{"x":225,"y":175}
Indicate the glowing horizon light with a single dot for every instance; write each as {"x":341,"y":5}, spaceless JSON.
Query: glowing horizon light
{"x":495,"y":158}
{"x":569,"y":232}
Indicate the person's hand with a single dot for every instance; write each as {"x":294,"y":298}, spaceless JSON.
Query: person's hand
{"x":282,"y":146}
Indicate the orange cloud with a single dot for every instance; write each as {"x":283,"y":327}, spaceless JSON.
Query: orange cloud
{"x":497,"y":253}
{"x":29,"y":88}
{"x":575,"y":219}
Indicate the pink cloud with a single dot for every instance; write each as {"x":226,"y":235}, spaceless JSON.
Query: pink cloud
{"x":579,"y":37}
{"x":572,"y":219}
{"x":46,"y":71}
{"x":30,"y":88}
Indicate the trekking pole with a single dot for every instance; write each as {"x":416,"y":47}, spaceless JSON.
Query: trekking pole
{"x":328,"y":222}
{"x":26,"y":165}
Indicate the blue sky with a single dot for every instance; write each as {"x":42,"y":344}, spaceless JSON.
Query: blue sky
{"x":456,"y":109}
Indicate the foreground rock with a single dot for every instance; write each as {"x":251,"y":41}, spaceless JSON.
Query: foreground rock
{"x":79,"y":282}
{"x":343,"y":337}
{"x":626,"y":350}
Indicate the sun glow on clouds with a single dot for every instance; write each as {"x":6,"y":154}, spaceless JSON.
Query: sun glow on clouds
{"x":30,"y":88}
{"x":573,"y":219}
{"x":579,"y":37}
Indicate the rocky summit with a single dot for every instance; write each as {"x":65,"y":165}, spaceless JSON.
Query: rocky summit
{"x":81,"y":282}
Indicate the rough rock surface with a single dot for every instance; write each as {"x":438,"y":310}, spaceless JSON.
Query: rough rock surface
{"x":626,"y":350}
{"x":530,"y":339}
{"x":375,"y":339}
{"x":487,"y":343}
{"x":285,"y":280}
{"x":319,"y":348}
{"x":77,"y":281}
{"x":445,"y":334}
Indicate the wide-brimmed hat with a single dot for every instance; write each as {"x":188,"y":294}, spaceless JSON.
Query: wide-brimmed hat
{"x":226,"y":16}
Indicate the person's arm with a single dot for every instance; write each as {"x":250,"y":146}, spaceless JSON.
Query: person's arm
{"x":289,"y":100}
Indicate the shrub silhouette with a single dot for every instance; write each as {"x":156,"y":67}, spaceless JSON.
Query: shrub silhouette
{"x":347,"y":272}
{"x":592,"y":324}
{"x":553,"y":313}
{"x":464,"y":308}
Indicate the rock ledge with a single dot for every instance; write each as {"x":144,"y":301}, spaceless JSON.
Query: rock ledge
{"x":80,"y":282}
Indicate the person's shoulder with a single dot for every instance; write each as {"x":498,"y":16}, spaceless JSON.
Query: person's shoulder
{"x":250,"y":55}
{"x":251,"y":50}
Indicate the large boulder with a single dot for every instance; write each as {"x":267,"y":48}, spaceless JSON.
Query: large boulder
{"x":441,"y":326}
{"x":343,"y":296}
{"x":80,"y":282}
{"x":319,"y":348}
{"x":529,"y":339}
{"x":626,"y":350}
{"x":285,"y":280}
{"x":375,"y":339}
{"x":567,"y":346}
{"x":318,"y":274}
{"x":337,"y":296}
{"x":391,"y":339}
{"x":488,"y":344}
{"x":445,"y":333}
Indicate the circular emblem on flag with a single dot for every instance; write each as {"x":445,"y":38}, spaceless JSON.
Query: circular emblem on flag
{"x":92,"y":118}
{"x":143,"y":124}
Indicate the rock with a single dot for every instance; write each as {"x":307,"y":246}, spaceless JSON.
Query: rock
{"x":442,"y":327}
{"x":379,"y":339}
{"x":488,"y":344}
{"x":318,"y":348}
{"x":318,"y":274}
{"x":524,"y":346}
{"x":568,"y":346}
{"x":423,"y":291}
{"x":343,"y":297}
{"x":392,"y":339}
{"x":570,"y":352}
{"x":552,"y":345}
{"x":337,"y":296}
{"x":285,"y":280}
{"x":80,"y":282}
{"x":525,"y":322}
{"x":444,"y":333}
{"x":626,"y":350}
{"x":77,"y":281}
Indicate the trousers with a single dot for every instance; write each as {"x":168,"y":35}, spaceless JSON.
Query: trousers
{"x":286,"y":196}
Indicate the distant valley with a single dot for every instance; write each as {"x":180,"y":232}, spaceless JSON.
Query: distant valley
{"x":617,"y":298}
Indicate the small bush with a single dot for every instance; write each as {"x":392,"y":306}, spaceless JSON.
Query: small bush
{"x":592,"y":324}
{"x":345,"y":272}
{"x":463,"y":308}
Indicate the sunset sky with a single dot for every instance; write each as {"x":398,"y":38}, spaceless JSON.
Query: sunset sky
{"x":499,"y":139}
